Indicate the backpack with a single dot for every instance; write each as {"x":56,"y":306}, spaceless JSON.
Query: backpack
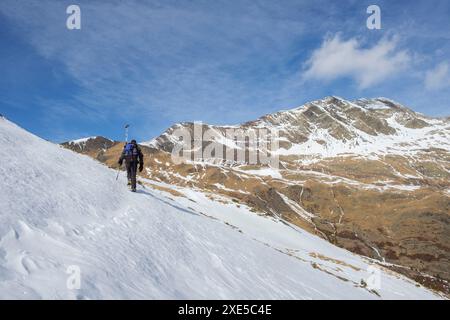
{"x":131,"y":152}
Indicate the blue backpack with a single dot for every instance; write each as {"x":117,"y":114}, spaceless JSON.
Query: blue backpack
{"x":130,"y":151}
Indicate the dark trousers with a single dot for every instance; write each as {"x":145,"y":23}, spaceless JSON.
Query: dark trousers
{"x":131,"y":173}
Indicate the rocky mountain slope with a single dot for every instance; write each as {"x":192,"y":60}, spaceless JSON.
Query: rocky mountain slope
{"x":89,"y":145}
{"x":371,"y":176}
{"x":63,"y":212}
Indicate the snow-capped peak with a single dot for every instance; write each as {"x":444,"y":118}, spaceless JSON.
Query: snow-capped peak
{"x":334,"y":126}
{"x":86,"y":139}
{"x":89,"y":143}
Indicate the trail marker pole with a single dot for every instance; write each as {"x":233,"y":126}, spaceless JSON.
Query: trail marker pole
{"x":126,"y":140}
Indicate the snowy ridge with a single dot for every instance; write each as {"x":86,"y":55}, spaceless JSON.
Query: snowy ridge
{"x":82,"y":140}
{"x":62,"y":209}
{"x":333,"y":127}
{"x":89,"y":143}
{"x":405,"y":141}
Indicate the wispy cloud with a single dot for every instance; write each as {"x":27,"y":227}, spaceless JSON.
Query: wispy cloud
{"x":160,"y":59}
{"x":338,"y":58}
{"x":438,"y":78}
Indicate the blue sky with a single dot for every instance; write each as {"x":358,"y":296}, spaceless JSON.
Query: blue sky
{"x":153,"y":63}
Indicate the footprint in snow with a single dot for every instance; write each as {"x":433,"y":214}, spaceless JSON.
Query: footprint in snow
{"x":28,"y":265}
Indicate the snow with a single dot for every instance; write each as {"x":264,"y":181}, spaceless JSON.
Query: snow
{"x":150,"y":143}
{"x":61,"y":209}
{"x":297,"y":208}
{"x":264,"y":171}
{"x":406,"y":141}
{"x":82,"y":140}
{"x":374,"y":104}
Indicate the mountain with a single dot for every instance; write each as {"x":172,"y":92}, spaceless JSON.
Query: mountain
{"x":370,"y":176}
{"x":62,"y":211}
{"x":90,"y":145}
{"x":333,"y":126}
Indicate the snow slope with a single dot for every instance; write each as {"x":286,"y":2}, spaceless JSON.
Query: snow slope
{"x":61,"y":209}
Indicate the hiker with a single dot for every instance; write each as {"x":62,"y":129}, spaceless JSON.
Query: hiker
{"x":133,"y":156}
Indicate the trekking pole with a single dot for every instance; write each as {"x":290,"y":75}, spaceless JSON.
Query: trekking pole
{"x":126,"y":132}
{"x":118,"y":171}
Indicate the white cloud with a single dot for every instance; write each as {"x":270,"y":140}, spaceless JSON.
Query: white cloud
{"x":438,"y":78}
{"x":338,"y":58}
